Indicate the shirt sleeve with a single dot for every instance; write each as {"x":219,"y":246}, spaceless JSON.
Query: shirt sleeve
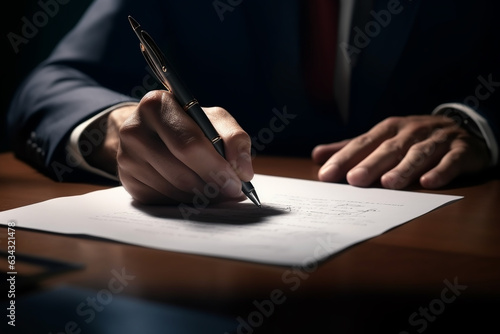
{"x":480,"y":121}
{"x":79,"y":144}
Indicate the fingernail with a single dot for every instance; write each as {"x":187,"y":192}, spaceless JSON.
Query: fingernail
{"x":329,"y":172}
{"x":358,"y":176}
{"x":430,"y":181}
{"x":232,"y":188}
{"x":392,"y":180}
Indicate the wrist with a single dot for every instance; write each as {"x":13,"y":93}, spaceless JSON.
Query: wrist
{"x":103,"y":156}
{"x":90,"y":146}
{"x":474,"y":123}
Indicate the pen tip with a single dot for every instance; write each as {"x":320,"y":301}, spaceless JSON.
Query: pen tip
{"x":133,"y":22}
{"x":254,"y":198}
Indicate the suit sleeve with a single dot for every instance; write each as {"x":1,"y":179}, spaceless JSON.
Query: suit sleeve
{"x":97,"y":65}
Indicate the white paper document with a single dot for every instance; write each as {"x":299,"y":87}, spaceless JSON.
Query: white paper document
{"x":300,"y":221}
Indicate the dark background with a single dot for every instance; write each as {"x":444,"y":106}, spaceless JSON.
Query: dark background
{"x":15,"y":66}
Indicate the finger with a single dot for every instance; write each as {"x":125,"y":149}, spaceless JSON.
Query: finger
{"x":385,"y":157}
{"x":420,"y":158}
{"x":141,"y":149}
{"x":187,"y":142}
{"x":356,"y":150}
{"x":149,"y":172}
{"x":321,"y":153}
{"x":444,"y":172}
{"x":237,"y":143}
{"x":388,"y":155}
{"x":148,"y":187}
{"x":461,"y":159}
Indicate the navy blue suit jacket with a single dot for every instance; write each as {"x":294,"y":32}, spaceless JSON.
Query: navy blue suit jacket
{"x":247,"y":59}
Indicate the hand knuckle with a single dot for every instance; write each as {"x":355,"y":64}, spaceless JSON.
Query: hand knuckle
{"x":422,"y":148}
{"x":392,"y":121}
{"x":456,"y":155}
{"x":152,"y":100}
{"x":237,"y":135}
{"x":363,"y":140}
{"x":392,"y":146}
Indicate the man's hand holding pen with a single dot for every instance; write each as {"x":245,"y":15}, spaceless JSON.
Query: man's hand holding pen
{"x":181,"y":97}
{"x":168,"y":149}
{"x":163,"y":157}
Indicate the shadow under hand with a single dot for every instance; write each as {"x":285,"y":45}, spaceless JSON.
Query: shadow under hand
{"x":228,"y":213}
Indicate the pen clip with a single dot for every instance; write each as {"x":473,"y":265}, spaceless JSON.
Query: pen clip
{"x":153,"y":67}
{"x":154,"y":57}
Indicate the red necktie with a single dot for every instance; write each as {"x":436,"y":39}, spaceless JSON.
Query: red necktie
{"x":321,"y":22}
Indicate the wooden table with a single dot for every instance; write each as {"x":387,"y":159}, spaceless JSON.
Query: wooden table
{"x":442,"y":269}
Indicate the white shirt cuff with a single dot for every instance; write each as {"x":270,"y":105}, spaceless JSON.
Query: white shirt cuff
{"x":73,"y":147}
{"x":480,"y":121}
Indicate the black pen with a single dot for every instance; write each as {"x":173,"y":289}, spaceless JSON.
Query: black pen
{"x":167,"y":76}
